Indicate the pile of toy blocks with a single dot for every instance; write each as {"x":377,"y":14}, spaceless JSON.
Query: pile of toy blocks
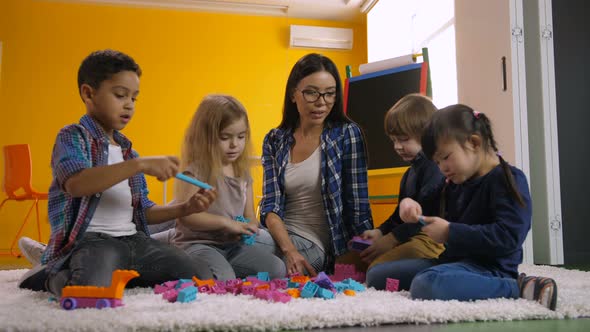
{"x":259,"y":286}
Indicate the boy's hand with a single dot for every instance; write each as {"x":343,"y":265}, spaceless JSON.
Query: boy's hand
{"x":161,"y":167}
{"x":437,"y":228}
{"x":200,"y":201}
{"x":378,"y":248}
{"x":409,"y":210}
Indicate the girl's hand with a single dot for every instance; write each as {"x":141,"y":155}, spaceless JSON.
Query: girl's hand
{"x":253,"y":226}
{"x":372,"y":234}
{"x":378,"y":248}
{"x":409,"y":210}
{"x":200,"y":201}
{"x":437,"y":228}
{"x":297,"y":263}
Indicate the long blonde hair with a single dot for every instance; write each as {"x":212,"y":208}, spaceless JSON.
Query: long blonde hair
{"x":200,"y":150}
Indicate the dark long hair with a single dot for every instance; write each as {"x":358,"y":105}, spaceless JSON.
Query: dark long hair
{"x":458,"y":122}
{"x":307,"y":65}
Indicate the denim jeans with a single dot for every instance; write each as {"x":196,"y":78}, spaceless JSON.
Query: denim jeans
{"x":97,"y":255}
{"x":239,"y":260}
{"x":312,"y":253}
{"x":463,"y":281}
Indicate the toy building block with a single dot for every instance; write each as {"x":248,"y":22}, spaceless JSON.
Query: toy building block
{"x":193,"y":181}
{"x":246,"y":239}
{"x":340,"y":287}
{"x":292,"y":284}
{"x":187,"y":294}
{"x":278,"y":283}
{"x":309,"y":290}
{"x":248,"y":289}
{"x":204,"y":289}
{"x":233,"y":283}
{"x":391,"y":285}
{"x":349,"y":292}
{"x":359,"y":244}
{"x":233,"y":289}
{"x":280,"y":297}
{"x":159,"y":289}
{"x":294,"y":292}
{"x":200,"y":282}
{"x":325,"y":293}
{"x":219,"y":290}
{"x":99,"y":297}
{"x":324,"y":281}
{"x":170,"y":295}
{"x":300,"y":279}
{"x":263,"y":286}
{"x":181,"y":282}
{"x":353,"y":284}
{"x":264,"y":276}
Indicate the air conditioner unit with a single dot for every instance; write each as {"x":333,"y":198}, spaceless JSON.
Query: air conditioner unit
{"x":320,"y":37}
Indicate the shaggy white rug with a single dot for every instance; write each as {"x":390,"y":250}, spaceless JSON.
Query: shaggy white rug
{"x":145,"y":311}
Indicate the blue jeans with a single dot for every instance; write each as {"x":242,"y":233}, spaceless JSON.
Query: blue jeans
{"x":97,"y":255}
{"x":463,"y":281}
{"x":238,"y":260}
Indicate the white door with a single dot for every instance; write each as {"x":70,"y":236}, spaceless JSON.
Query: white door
{"x":490,"y":75}
{"x":542,"y":123}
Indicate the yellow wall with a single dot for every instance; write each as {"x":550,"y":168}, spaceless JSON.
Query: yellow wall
{"x":184,"y":56}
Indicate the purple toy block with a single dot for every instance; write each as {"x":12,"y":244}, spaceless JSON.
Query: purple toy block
{"x":392,"y":285}
{"x":358,"y":244}
{"x":323,"y":281}
{"x":71,"y":303}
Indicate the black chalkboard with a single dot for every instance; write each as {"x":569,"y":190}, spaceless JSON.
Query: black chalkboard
{"x":370,"y":96}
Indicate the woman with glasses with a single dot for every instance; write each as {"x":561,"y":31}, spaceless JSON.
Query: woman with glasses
{"x":315,"y":196}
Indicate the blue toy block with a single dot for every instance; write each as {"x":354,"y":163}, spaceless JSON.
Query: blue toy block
{"x":340,"y":287}
{"x":292,"y":284}
{"x":246,"y":239}
{"x":325,"y":293}
{"x":309,"y":290}
{"x":354,"y":285}
{"x":264,"y":276}
{"x":187,"y":294}
{"x":183,"y":281}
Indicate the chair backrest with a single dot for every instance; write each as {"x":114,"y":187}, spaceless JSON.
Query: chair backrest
{"x":17,"y":171}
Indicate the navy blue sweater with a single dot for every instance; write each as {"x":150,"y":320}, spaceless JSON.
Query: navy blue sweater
{"x":487,"y":225}
{"x":420,"y":181}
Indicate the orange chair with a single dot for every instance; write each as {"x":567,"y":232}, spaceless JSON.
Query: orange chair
{"x":18,"y":187}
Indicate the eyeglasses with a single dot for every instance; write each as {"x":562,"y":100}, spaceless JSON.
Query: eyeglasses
{"x":311,"y":96}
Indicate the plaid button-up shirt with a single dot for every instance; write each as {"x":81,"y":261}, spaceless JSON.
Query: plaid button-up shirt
{"x":343,"y":175}
{"x":77,"y":147}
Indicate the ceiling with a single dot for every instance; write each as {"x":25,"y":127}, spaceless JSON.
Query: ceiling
{"x":332,"y":10}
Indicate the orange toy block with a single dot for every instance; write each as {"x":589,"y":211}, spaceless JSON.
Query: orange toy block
{"x":114,"y":291}
{"x":294,"y":292}
{"x":200,"y":282}
{"x":349,"y":292}
{"x":300,"y":279}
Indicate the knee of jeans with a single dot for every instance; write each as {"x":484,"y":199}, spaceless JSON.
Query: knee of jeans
{"x":424,"y":285}
{"x":375,"y":279}
{"x":278,"y":270}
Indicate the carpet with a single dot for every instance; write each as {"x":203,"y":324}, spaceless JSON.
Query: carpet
{"x":144,"y":311}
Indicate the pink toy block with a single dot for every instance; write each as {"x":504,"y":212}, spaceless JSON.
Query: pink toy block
{"x":279,"y":283}
{"x":248,"y":290}
{"x":392,"y":285}
{"x":170,"y":295}
{"x":280,"y":297}
{"x":205,"y":289}
{"x":219,"y":290}
{"x":159,"y":289}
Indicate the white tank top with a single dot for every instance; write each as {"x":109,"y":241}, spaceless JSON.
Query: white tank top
{"x":304,"y":207}
{"x":114,"y":213}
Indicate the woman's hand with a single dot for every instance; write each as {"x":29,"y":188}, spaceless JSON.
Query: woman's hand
{"x":409,"y":210}
{"x":296,"y":263}
{"x":437,"y":228}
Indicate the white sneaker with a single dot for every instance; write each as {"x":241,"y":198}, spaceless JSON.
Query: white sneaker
{"x":31,"y":249}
